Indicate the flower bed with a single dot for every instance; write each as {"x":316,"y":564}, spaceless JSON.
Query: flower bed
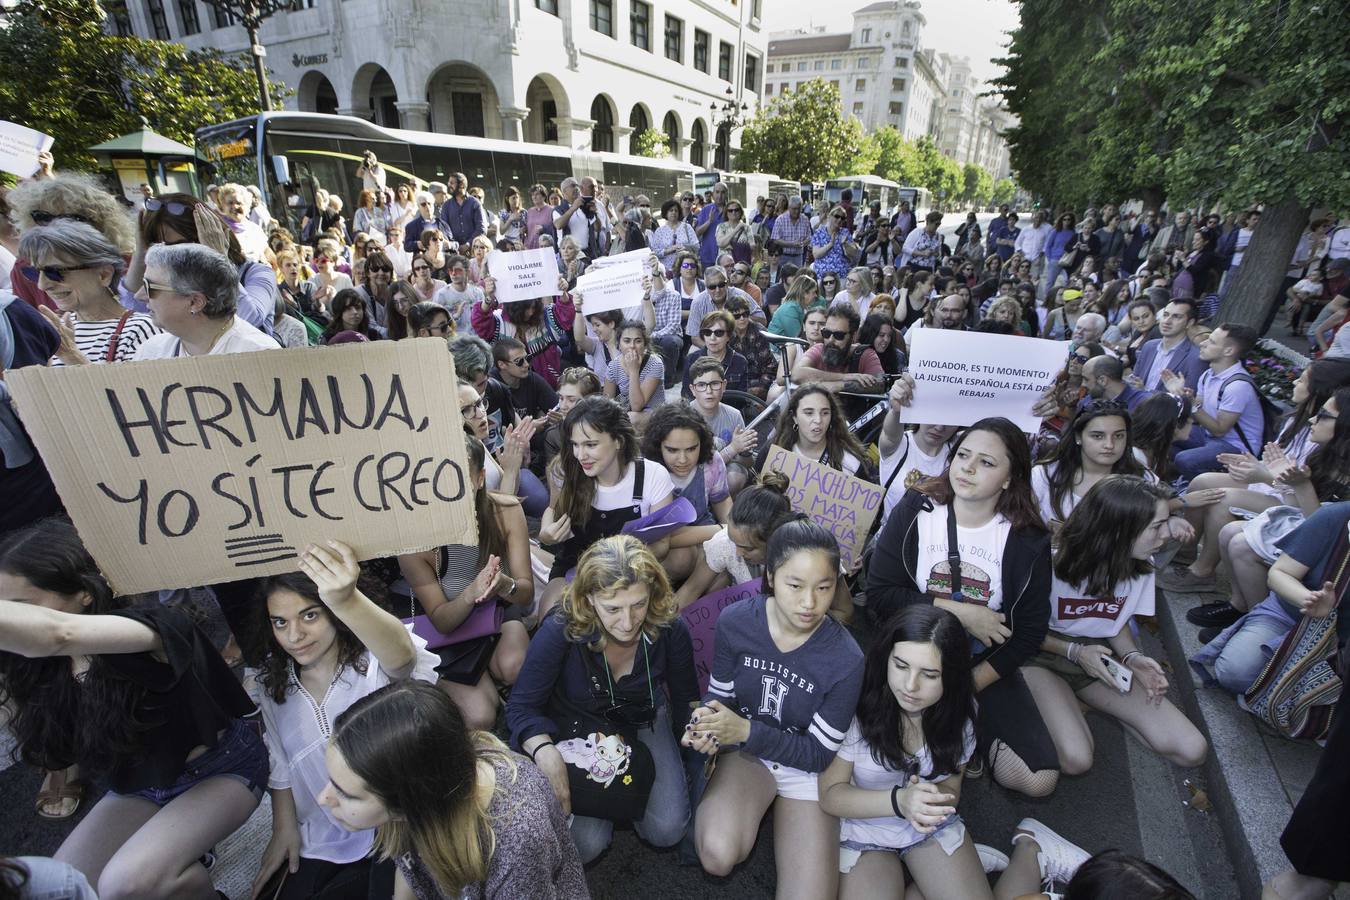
{"x":1275,"y":372}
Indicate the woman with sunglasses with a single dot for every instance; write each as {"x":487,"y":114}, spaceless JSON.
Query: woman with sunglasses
{"x":79,"y":198}
{"x":829,"y":287}
{"x":716,"y":330}
{"x":327,"y":281}
{"x":422,"y":281}
{"x":78,"y":268}
{"x":832,"y":245}
{"x":617,"y":649}
{"x":734,"y":236}
{"x":377,"y":289}
{"x":541,"y":326}
{"x":432,"y":245}
{"x":747,"y":339}
{"x":479,"y":249}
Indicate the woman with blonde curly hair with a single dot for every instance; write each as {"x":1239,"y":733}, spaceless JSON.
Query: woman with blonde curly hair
{"x":617,"y":650}
{"x":80,"y":198}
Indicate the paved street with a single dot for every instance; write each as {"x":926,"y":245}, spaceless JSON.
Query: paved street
{"x":1130,"y":800}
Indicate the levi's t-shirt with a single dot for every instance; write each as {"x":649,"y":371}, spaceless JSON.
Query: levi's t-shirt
{"x":1074,"y":614}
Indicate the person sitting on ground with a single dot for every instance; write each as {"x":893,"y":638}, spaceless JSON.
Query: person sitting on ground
{"x":350,"y":314}
{"x":747,"y":339}
{"x":326,"y":641}
{"x":575,"y":383}
{"x":908,"y":454}
{"x":715,"y":333}
{"x":617,"y":617}
{"x":1229,"y":407}
{"x":1172,"y":351}
{"x":637,"y":377}
{"x":837,"y":364}
{"x":459,"y":295}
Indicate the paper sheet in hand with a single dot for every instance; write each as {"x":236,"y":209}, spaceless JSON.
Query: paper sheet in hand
{"x":182,"y":472}
{"x":524,"y":275}
{"x":961,"y":377}
{"x":611,"y":287}
{"x":701,"y":618}
{"x":19,"y":148}
{"x":641,"y":255}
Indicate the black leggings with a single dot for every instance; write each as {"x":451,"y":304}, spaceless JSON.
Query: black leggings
{"x":321,"y":880}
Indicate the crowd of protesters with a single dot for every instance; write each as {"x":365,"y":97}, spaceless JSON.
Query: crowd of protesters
{"x":998,"y":602}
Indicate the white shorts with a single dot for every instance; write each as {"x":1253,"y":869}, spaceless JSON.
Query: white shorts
{"x":794,"y":784}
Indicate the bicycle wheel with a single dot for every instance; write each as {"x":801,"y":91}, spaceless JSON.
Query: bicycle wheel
{"x":750,"y":407}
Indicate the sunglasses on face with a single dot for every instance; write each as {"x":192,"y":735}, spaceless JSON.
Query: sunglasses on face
{"x":740,"y":315}
{"x":1323,"y":415}
{"x":152,"y":286}
{"x":828,"y":282}
{"x":42,"y":217}
{"x":831,"y":335}
{"x":712,"y":332}
{"x":687,"y":265}
{"x":175,"y":208}
{"x":421,"y":268}
{"x":377,"y":269}
{"x":523,"y":361}
{"x":716,"y":287}
{"x":53,"y":273}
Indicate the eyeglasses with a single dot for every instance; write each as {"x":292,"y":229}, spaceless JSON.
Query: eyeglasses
{"x":740,"y":315}
{"x":443,"y":328}
{"x":53,"y":273}
{"x":470,"y":411}
{"x":371,"y":270}
{"x":42,"y":217}
{"x":828,"y":282}
{"x":831,"y":334}
{"x":152,"y":286}
{"x":421,"y":268}
{"x":522,"y":362}
{"x":1323,"y":414}
{"x":686,"y":265}
{"x":712,"y":332}
{"x":1081,"y":358}
{"x":716,"y":287}
{"x":154,"y":204}
{"x":702,"y":386}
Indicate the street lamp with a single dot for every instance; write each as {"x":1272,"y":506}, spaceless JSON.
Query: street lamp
{"x":250,"y":14}
{"x":726,"y":116}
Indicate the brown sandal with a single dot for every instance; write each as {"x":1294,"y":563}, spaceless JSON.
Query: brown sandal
{"x":68,"y":790}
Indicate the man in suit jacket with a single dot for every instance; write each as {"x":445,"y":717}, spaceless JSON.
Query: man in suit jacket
{"x":1173,"y":350}
{"x":1175,"y":237}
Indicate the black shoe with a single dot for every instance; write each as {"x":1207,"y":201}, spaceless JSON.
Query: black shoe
{"x":1206,"y":615}
{"x":1210,"y":633}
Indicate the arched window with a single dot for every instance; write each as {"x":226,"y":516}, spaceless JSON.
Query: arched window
{"x":637,"y":120}
{"x":671,"y":126}
{"x":723,"y":153}
{"x":699,"y":138}
{"x":602,"y":136}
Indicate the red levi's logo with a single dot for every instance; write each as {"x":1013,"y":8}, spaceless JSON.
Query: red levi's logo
{"x":1088,"y":608}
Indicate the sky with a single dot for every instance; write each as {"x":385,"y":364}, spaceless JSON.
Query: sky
{"x":973,"y":28}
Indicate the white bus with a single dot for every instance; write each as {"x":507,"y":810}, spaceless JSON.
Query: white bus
{"x":747,"y":186}
{"x":289,"y":154}
{"x":866,"y":188}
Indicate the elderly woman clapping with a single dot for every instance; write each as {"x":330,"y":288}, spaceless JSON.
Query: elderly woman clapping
{"x":79,"y":268}
{"x":193,"y":292}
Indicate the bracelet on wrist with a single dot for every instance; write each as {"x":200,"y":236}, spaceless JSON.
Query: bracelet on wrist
{"x":895,"y":801}
{"x":537,"y":748}
{"x":1072,"y":652}
{"x":1125,"y":660}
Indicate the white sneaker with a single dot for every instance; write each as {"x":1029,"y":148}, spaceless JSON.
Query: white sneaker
{"x":1058,"y":858}
{"x":992,"y":860}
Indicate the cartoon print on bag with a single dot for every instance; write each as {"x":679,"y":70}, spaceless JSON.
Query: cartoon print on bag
{"x":602,"y":757}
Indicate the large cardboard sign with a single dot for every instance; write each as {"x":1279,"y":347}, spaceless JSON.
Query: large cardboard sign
{"x":701,"y":617}
{"x":835,"y":500}
{"x":19,"y":148}
{"x":961,"y":377}
{"x":611,"y":287}
{"x":524,"y":275}
{"x":184,"y":472}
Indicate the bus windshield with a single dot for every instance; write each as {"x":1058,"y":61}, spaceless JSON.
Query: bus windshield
{"x":229,"y":152}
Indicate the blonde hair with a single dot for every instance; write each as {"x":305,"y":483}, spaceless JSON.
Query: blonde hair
{"x":610,"y":565}
{"x":230,"y":189}
{"x":73,"y":194}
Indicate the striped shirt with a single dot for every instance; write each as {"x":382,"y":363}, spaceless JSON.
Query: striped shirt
{"x":799,"y":703}
{"x":94,"y":339}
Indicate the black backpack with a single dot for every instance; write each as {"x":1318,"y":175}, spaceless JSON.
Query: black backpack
{"x":1271,"y":415}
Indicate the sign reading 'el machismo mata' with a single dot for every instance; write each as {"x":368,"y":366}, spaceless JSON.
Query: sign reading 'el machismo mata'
{"x":835,"y":500}
{"x":183,"y":472}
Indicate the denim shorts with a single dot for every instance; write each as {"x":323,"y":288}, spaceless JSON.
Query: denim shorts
{"x":239,"y":754}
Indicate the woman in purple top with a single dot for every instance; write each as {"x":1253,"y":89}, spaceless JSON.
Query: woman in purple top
{"x":460,"y":815}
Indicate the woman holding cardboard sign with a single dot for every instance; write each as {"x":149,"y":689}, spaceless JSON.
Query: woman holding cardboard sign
{"x":614,"y":658}
{"x":136,"y":694}
{"x":972,"y":542}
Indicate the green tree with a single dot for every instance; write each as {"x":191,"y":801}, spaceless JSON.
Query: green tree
{"x":1002,"y":191}
{"x":61,"y":74}
{"x":803,"y":135}
{"x":653,"y":143}
{"x":1227,"y":102}
{"x":897,"y":159}
{"x":976,"y":184}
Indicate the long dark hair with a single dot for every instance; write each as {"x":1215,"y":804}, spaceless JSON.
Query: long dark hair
{"x":838,"y":439}
{"x":274,"y":673}
{"x":1064,"y":464}
{"x":1115,"y":875}
{"x":1094,"y":547}
{"x":893,"y":359}
{"x":796,"y":533}
{"x":665,"y":419}
{"x":1325,"y":376}
{"x":1018,"y":502}
{"x":578,"y":489}
{"x":183,"y":223}
{"x":944,"y":723}
{"x":1155,"y":425}
{"x":345,"y":298}
{"x":491,"y":538}
{"x":58,"y":721}
{"x":1330,"y":462}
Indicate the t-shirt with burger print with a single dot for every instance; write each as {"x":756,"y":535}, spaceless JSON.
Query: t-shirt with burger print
{"x":1074,"y":613}
{"x":981,"y":552}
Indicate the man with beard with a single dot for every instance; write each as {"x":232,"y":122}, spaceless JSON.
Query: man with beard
{"x":951,"y":312}
{"x":836,"y":363}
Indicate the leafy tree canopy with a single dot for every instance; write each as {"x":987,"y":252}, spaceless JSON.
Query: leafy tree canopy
{"x":61,"y":74}
{"x":653,"y":143}
{"x":803,"y":135}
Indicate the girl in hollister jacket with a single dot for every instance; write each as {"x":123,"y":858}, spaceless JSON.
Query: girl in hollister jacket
{"x":996,"y":581}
